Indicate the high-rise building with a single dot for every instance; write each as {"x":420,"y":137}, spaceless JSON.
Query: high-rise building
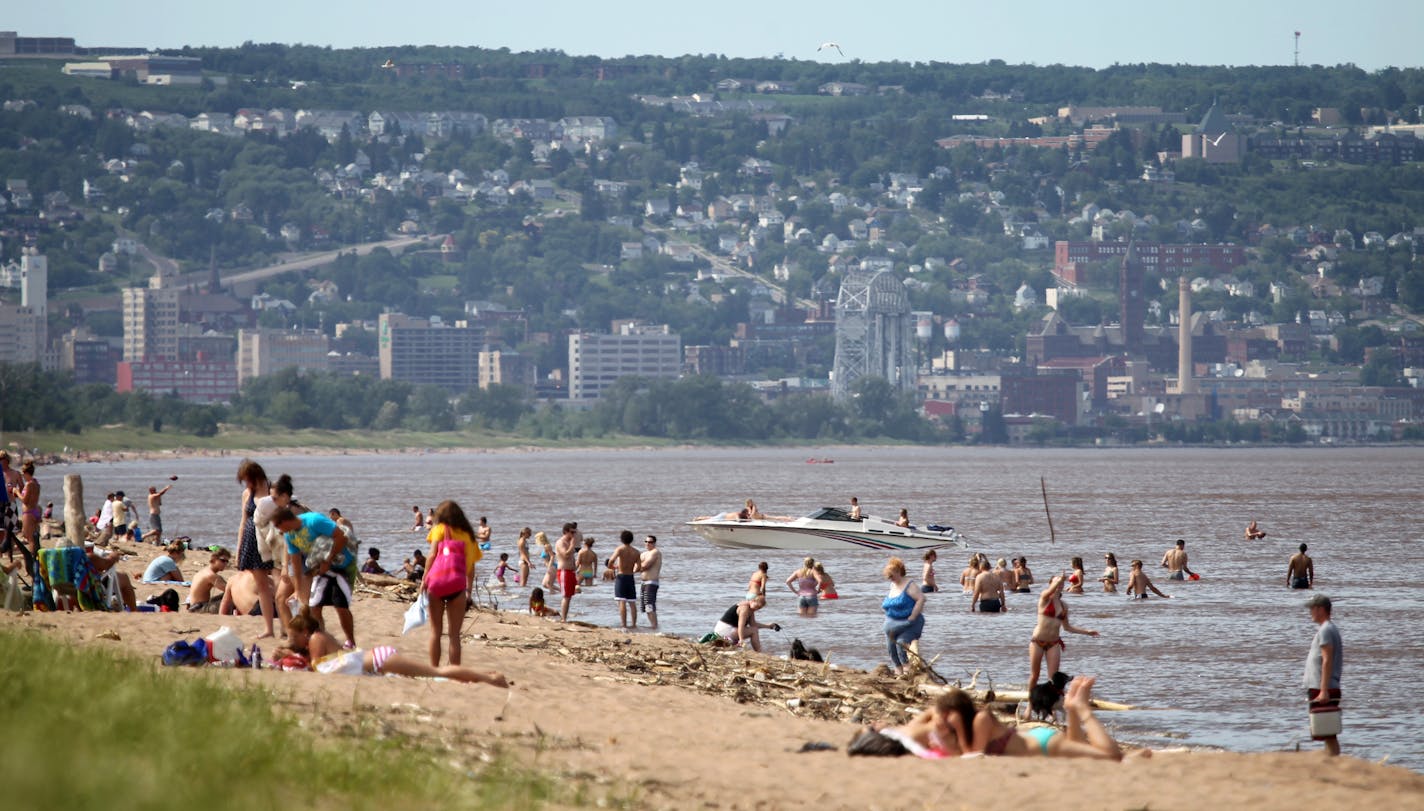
{"x":91,"y":359}
{"x":150,"y":319}
{"x":264,"y":351}
{"x":597,"y":361}
{"x":17,"y":335}
{"x":503,"y":367}
{"x":430,"y":352}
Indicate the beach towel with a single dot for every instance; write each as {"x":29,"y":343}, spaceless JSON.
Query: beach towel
{"x":64,"y":571}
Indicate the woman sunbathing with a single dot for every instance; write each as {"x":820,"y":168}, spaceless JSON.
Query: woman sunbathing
{"x":326,"y":656}
{"x":1085,"y":737}
{"x":930,"y":735}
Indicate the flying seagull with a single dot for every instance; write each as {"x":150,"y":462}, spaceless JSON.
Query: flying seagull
{"x":389,"y":64}
{"x":824,"y":45}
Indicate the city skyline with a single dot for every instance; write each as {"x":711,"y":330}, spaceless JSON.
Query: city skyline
{"x":1376,"y":35}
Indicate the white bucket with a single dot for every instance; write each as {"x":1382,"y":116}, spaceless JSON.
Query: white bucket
{"x":224,"y":644}
{"x":1325,"y":723}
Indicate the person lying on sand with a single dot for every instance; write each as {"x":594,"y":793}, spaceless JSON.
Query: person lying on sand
{"x":1085,"y":737}
{"x":326,"y":656}
{"x":927,"y":735}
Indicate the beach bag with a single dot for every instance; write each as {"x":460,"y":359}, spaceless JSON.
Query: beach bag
{"x":445,"y":572}
{"x":418,"y":613}
{"x":186,"y":654}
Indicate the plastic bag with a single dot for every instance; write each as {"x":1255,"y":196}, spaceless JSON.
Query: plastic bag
{"x":418,"y":613}
{"x":186,"y":654}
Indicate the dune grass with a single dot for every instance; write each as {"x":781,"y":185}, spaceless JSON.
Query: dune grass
{"x":88,"y":728}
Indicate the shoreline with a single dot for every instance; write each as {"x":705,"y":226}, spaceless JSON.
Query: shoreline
{"x":644,"y":720}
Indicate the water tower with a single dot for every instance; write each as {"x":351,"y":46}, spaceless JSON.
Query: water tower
{"x":873,"y":326}
{"x":924,"y":325}
{"x":951,"y":331}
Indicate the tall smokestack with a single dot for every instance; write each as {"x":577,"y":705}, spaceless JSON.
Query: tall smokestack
{"x":1184,"y":336}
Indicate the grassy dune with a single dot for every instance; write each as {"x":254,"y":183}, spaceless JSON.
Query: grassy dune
{"x":88,"y":728}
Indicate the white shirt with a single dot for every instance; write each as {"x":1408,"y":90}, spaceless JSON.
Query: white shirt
{"x":106,"y":515}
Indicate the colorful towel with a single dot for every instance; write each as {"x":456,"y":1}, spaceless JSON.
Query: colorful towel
{"x":63,"y":569}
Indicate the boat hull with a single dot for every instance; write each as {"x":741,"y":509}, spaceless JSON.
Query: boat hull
{"x":759,"y":535}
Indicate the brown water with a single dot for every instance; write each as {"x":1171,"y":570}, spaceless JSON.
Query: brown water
{"x":1219,"y":665}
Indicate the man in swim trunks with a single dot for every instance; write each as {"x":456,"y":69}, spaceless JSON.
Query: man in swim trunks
{"x":1176,"y":562}
{"x":650,"y":563}
{"x":566,"y":557}
{"x":1300,"y":574}
{"x":1324,"y":665}
{"x":155,"y":512}
{"x":205,"y":596}
{"x":988,"y":594}
{"x":625,"y":591}
{"x":1138,"y":583}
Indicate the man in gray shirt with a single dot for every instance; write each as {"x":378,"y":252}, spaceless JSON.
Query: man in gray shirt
{"x":1323,"y":666}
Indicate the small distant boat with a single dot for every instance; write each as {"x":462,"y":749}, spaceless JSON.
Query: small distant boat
{"x":815,"y":461}
{"x":826,"y":529}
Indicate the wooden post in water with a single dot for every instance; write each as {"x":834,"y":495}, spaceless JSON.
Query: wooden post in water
{"x":1043,"y":485}
{"x":75,"y":519}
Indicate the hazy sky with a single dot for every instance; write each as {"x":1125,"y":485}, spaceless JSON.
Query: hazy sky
{"x":1369,"y":33}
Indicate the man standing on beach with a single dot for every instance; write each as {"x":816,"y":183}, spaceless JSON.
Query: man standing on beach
{"x":106,"y":520}
{"x":1300,"y":574}
{"x":155,"y":510}
{"x":565,"y":556}
{"x":1323,"y":667}
{"x":119,"y":509}
{"x":1176,"y":562}
{"x":650,"y":563}
{"x":625,"y":562}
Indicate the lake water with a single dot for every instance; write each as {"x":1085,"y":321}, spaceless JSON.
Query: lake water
{"x":1217,"y":666}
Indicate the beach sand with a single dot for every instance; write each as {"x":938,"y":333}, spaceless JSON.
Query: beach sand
{"x":664,"y":723}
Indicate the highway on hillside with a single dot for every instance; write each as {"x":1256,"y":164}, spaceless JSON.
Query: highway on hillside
{"x":314,"y":260}
{"x":724,"y":265}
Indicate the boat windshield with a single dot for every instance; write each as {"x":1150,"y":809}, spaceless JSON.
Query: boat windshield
{"x":832,"y":514}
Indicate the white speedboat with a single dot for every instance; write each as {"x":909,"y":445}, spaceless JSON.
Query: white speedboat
{"x":826,"y":529}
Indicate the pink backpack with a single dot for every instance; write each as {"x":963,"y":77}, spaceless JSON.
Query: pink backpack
{"x":445,"y":573}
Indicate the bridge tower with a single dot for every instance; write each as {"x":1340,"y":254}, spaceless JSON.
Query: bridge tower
{"x":873,"y":332}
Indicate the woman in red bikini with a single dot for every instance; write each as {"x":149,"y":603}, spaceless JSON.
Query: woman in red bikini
{"x":1048,"y":633}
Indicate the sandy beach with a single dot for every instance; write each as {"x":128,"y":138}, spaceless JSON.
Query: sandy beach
{"x":657,"y":722}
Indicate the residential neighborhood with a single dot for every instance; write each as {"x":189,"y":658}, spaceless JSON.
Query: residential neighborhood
{"x":1047,"y":271}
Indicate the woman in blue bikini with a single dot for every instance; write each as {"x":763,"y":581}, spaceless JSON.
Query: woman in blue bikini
{"x":1085,"y":736}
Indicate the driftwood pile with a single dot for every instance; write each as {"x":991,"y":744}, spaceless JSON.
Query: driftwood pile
{"x":807,"y":689}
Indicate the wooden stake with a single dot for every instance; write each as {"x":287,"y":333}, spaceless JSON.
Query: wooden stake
{"x":1043,"y":485}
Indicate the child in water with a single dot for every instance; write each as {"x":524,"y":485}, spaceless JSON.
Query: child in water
{"x":827,"y":585}
{"x":500,"y":570}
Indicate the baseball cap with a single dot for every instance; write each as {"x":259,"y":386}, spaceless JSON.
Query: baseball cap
{"x":1319,"y":601}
